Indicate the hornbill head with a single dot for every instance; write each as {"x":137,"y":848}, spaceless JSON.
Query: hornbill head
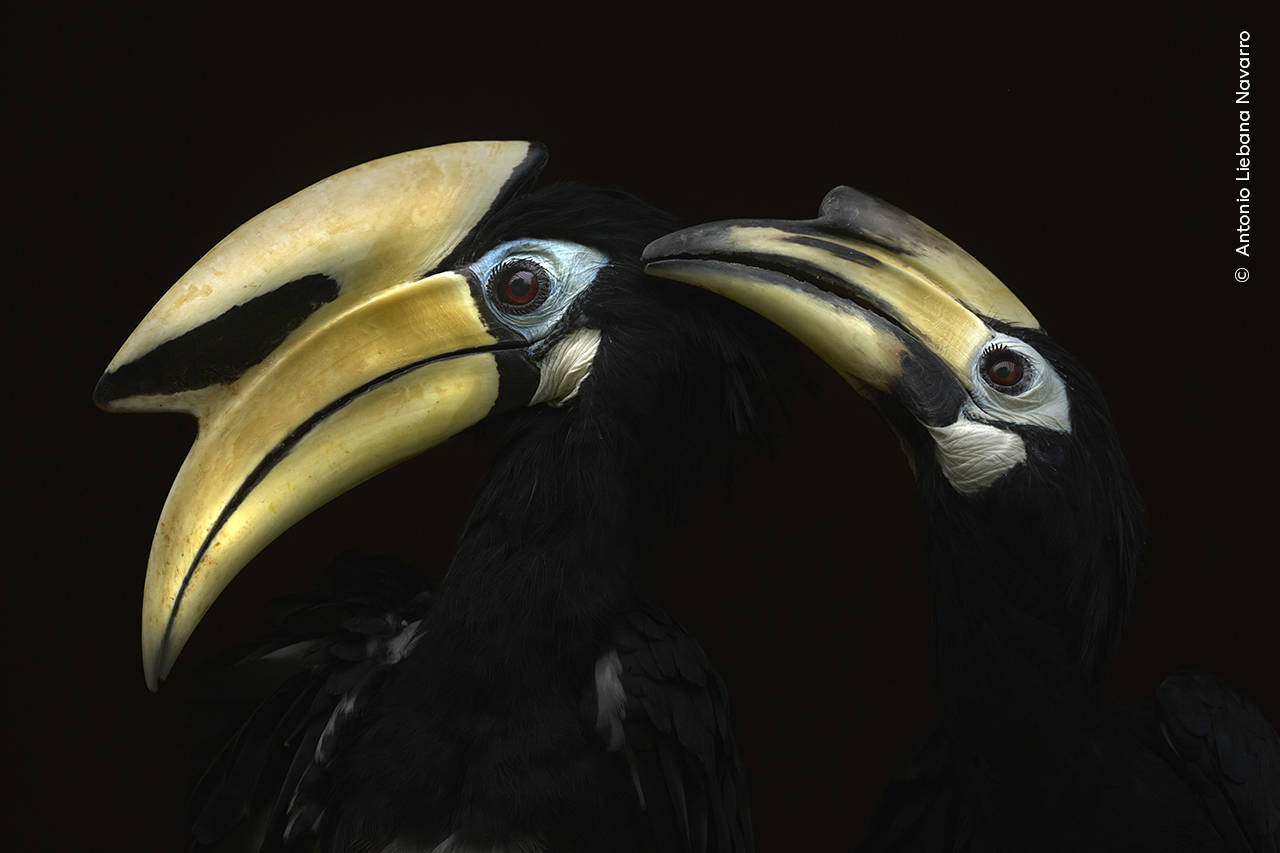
{"x":352,"y":326}
{"x":1012,"y":446}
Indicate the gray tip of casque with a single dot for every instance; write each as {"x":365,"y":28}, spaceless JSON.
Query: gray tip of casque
{"x":861,"y":215}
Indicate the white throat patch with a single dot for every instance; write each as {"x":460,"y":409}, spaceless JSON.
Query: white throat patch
{"x":564,"y":368}
{"x":973,"y":455}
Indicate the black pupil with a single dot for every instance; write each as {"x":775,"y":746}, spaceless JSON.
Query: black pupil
{"x":1006,"y":371}
{"x":521,"y":286}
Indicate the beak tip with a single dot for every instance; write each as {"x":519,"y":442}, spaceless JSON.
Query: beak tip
{"x":157,"y":656}
{"x":704,"y":239}
{"x":151,"y":672}
{"x":664,"y":247}
{"x":156,"y":664}
{"x":103,"y":393}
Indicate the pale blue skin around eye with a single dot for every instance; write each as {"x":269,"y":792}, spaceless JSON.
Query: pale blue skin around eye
{"x":571,"y":267}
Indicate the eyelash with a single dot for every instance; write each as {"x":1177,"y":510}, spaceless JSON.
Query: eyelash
{"x":1027,"y":367}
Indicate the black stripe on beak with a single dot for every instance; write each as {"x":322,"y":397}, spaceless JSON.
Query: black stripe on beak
{"x":220,"y":351}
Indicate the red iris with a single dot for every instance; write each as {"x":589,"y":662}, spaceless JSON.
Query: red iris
{"x":1004,"y":372}
{"x":519,"y":287}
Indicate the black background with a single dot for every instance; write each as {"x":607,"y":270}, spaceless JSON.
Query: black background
{"x":1088,"y":162}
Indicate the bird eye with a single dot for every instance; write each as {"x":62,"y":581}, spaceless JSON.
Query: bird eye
{"x":1006,"y":371}
{"x":530,"y":284}
{"x":519,"y":286}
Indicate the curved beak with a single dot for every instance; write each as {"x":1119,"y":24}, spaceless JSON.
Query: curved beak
{"x":888,"y":301}
{"x":322,"y":342}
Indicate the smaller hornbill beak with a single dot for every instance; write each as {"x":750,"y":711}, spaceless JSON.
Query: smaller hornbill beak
{"x":320,"y":343}
{"x":888,"y":301}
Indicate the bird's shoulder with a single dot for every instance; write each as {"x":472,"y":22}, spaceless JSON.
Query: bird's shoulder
{"x":287,"y":699}
{"x":1220,"y":742}
{"x":675,"y":731}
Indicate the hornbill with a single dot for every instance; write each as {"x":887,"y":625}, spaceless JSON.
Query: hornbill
{"x":1035,"y":543}
{"x":537,"y":700}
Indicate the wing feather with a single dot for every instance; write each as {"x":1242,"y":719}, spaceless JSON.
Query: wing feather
{"x":1230,"y":754}
{"x":304,"y":687}
{"x":677,"y":728}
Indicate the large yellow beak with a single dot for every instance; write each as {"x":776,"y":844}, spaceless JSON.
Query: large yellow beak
{"x":885,"y":299}
{"x":322,"y":342}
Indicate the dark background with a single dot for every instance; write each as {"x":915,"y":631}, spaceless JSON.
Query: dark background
{"x":1088,"y":162}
